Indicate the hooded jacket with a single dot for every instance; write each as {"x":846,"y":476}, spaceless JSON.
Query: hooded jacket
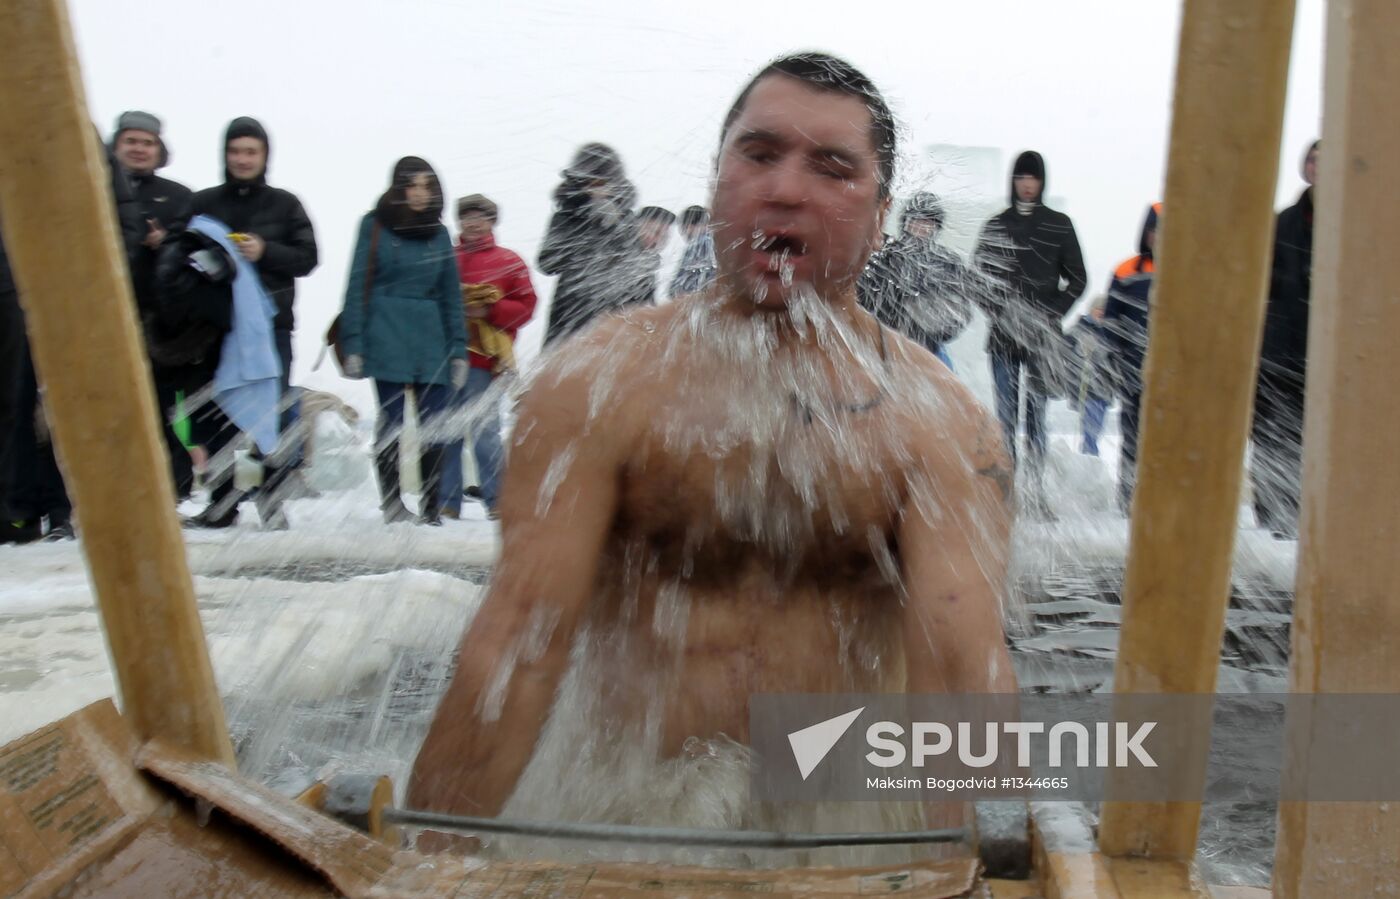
{"x":592,"y":244}
{"x":1028,"y":256}
{"x":1125,"y":315}
{"x":271,"y":213}
{"x":917,"y":287}
{"x":1285,"y":347}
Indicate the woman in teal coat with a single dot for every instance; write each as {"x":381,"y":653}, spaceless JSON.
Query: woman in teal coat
{"x":402,"y":325}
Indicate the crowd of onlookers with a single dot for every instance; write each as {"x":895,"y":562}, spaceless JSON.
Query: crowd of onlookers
{"x":214,"y":277}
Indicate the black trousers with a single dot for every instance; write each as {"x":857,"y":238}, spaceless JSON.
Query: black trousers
{"x":181,"y":466}
{"x":13,"y":351}
{"x":1276,"y":471}
{"x":36,"y":486}
{"x":212,"y":429}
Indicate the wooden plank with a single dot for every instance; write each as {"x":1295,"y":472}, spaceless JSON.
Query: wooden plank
{"x":1141,"y":878}
{"x":62,"y":241}
{"x":1012,"y":889}
{"x":1072,"y":875}
{"x":1207,"y":312}
{"x":1346,"y":631}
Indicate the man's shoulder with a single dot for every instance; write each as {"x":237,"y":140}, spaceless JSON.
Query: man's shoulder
{"x":171,"y":188}
{"x":942,"y":409}
{"x":282,"y":198}
{"x":208,"y":195}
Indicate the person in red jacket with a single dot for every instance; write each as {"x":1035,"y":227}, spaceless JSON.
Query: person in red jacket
{"x":498,"y":299}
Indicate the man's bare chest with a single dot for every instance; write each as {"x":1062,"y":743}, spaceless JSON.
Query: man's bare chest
{"x":762,"y":480}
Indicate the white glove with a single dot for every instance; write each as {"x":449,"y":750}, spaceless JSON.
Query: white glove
{"x":354,"y":367}
{"x":459,"y":374}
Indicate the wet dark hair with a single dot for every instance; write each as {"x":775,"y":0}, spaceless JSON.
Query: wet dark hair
{"x":693,"y":216}
{"x":825,"y":72}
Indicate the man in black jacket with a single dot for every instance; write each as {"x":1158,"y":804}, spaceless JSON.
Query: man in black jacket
{"x":592,"y":243}
{"x":1033,"y":252}
{"x":274,"y":231}
{"x":165,"y":208}
{"x":1276,"y":468}
{"x":31,"y":485}
{"x":917,"y":287}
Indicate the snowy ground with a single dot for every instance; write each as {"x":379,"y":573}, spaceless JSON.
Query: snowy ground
{"x":331,"y":642}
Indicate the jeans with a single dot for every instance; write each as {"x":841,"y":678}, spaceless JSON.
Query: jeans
{"x":1092,"y":418}
{"x":433,"y":401}
{"x":485,"y":427}
{"x":1006,"y":375}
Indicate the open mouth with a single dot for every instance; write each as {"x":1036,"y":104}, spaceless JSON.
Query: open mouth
{"x":780,"y":246}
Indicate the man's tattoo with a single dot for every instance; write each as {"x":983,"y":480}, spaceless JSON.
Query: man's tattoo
{"x":996,"y":467}
{"x":1001,"y":476}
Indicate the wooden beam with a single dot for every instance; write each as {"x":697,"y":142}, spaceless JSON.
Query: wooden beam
{"x":1346,"y":621}
{"x":61,"y":235}
{"x":1207,"y":312}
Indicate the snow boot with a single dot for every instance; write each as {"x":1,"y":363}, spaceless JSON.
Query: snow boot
{"x":386,"y":469}
{"x":429,"y":508}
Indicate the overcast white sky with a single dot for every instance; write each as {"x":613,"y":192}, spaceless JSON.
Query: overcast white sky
{"x":498,"y":94}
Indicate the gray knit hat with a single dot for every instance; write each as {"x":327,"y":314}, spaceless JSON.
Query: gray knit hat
{"x":476,"y":203}
{"x":136,"y":120}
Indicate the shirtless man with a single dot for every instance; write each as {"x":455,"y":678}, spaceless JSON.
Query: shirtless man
{"x":755,"y":489}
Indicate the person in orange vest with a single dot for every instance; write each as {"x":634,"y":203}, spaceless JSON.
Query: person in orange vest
{"x":1125,"y":326}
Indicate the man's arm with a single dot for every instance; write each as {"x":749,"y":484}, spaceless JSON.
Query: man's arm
{"x":297,"y":256}
{"x":1072,"y":269}
{"x":954,"y":545}
{"x":561,"y":489}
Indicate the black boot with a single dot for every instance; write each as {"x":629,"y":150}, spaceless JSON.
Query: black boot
{"x":429,"y":508}
{"x":23,"y":530}
{"x":386,"y":468}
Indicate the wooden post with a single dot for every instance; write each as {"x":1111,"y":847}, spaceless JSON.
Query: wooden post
{"x":1346,"y":620}
{"x":63,"y":244}
{"x":1207,"y":312}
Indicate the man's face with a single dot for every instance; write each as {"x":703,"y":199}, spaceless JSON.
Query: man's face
{"x":246,"y":158}
{"x":693,"y":232}
{"x":796,"y":186}
{"x":1310,"y":167}
{"x":138,"y":151}
{"x":475,"y":226}
{"x":1027,"y":188}
{"x":653,"y":235}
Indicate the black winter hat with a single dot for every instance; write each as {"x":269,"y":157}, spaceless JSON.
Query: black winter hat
{"x":136,"y":120}
{"x":595,"y":162}
{"x":926,"y":206}
{"x":1303,"y":166}
{"x":1029,"y":163}
{"x":247,"y":126}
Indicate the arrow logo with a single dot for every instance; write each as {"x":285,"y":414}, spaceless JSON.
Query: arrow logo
{"x":811,"y":744}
